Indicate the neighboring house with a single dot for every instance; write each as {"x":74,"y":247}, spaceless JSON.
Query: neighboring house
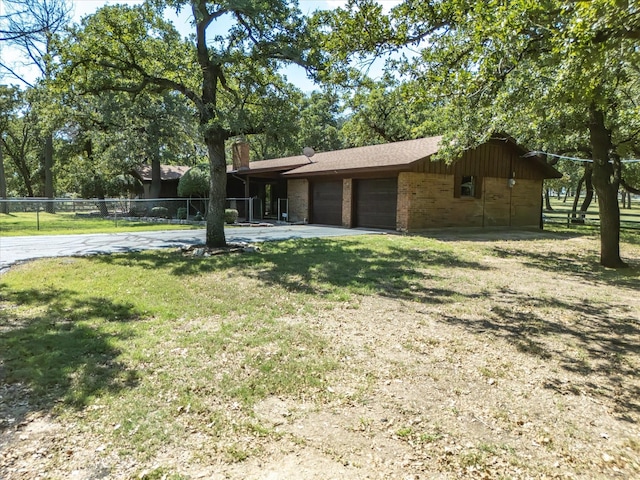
{"x":396,"y":186}
{"x":169,"y":177}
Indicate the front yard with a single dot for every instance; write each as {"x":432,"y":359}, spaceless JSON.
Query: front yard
{"x":484,"y":355}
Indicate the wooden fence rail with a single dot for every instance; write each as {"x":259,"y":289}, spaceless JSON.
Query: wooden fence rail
{"x":629,"y":221}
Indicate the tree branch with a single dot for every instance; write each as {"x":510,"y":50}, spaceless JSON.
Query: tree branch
{"x":629,"y":188}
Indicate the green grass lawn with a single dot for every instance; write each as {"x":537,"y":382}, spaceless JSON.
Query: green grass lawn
{"x":144,"y":353}
{"x":150,"y":334}
{"x":28,"y":223}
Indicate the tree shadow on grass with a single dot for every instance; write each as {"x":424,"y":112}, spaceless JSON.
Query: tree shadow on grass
{"x":49,"y":355}
{"x":324,"y":267}
{"x":600,"y":350}
{"x":584,"y":266}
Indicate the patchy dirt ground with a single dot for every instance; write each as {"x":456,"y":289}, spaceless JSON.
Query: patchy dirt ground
{"x":524,"y":366}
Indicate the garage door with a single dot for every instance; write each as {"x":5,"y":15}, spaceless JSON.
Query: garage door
{"x":327,"y":203}
{"x":376,"y":203}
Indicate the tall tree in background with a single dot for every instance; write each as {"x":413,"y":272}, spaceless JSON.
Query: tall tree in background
{"x":379,"y":115}
{"x":557,"y":75}
{"x":132,"y":49}
{"x":22,"y":148}
{"x":8,"y":104}
{"x":22,"y":19}
{"x":388,"y":110}
{"x":109,"y":135}
{"x":311,"y":120}
{"x":320,"y":122}
{"x":30,"y":27}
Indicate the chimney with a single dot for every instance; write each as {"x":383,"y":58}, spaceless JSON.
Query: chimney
{"x":240,"y":155}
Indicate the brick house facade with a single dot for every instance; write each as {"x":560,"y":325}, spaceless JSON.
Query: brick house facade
{"x":397,"y":186}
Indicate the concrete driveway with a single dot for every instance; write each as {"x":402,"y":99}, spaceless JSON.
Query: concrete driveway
{"x":18,"y":249}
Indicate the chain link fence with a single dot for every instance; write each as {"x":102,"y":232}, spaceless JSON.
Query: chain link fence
{"x":37,"y":213}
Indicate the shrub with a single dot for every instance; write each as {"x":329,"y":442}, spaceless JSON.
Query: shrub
{"x":195,"y":182}
{"x":182,"y":213}
{"x":138,"y":211}
{"x":230,"y":215}
{"x":159,"y":212}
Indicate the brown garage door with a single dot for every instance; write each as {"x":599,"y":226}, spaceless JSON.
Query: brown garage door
{"x":327,"y":203}
{"x":376,"y":203}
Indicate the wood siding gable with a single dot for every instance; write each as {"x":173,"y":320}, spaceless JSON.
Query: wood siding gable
{"x":493,"y":159}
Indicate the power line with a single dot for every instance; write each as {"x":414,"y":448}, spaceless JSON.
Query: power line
{"x":575,"y":159}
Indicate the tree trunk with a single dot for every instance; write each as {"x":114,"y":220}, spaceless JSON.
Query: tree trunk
{"x":4,"y":207}
{"x":48,"y":173}
{"x":156,"y":178}
{"x":19,"y":160}
{"x":547,"y":200}
{"x":574,"y":209}
{"x":102,"y":204}
{"x":217,"y":188}
{"x":606,"y":183}
{"x":588,"y":183}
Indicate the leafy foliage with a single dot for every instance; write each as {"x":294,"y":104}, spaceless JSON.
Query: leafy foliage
{"x":559,"y":76}
{"x":195,"y":182}
{"x":231,"y":77}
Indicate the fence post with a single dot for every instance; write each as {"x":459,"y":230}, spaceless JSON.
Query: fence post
{"x":37,"y":216}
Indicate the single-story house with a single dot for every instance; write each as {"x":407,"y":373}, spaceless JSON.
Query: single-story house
{"x":169,"y":177}
{"x":397,"y":186}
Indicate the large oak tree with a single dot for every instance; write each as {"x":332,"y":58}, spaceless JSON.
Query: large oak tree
{"x":560,"y":76}
{"x":237,"y":48}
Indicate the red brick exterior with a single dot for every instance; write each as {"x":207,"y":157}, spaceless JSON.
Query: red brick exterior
{"x":426,"y":200}
{"x":431,"y":194}
{"x":298,"y":194}
{"x":347,"y":202}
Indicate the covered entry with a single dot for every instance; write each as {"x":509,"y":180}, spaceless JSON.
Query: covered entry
{"x":327,"y":202}
{"x":376,"y":203}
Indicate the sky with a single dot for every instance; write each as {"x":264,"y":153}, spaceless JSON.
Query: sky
{"x":295,"y":74}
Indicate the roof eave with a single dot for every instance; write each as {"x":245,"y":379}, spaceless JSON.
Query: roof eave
{"x":348,"y":171}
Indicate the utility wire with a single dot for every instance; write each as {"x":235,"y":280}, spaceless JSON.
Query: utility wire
{"x":574,"y":159}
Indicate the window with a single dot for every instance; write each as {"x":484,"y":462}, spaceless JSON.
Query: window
{"x":468,"y":186}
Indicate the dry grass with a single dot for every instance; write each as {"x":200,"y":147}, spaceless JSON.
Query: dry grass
{"x":477,"y":355}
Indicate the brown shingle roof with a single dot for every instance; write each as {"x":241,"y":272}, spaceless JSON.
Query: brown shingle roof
{"x":387,"y":155}
{"x":274,"y":165}
{"x":391,"y":156}
{"x":167,"y":172}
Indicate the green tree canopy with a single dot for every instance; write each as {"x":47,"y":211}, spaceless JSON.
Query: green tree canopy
{"x":559,"y":76}
{"x":108,"y":135}
{"x":195,"y":182}
{"x":227,"y":65}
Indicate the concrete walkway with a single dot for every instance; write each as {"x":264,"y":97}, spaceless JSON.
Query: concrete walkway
{"x":18,"y":249}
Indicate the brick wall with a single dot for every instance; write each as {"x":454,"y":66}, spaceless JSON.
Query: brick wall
{"x":298,"y":194}
{"x":518,"y":206}
{"x":526,"y":203}
{"x":497,"y":202}
{"x":425,"y":200}
{"x":347,"y":202}
{"x":405,"y":184}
